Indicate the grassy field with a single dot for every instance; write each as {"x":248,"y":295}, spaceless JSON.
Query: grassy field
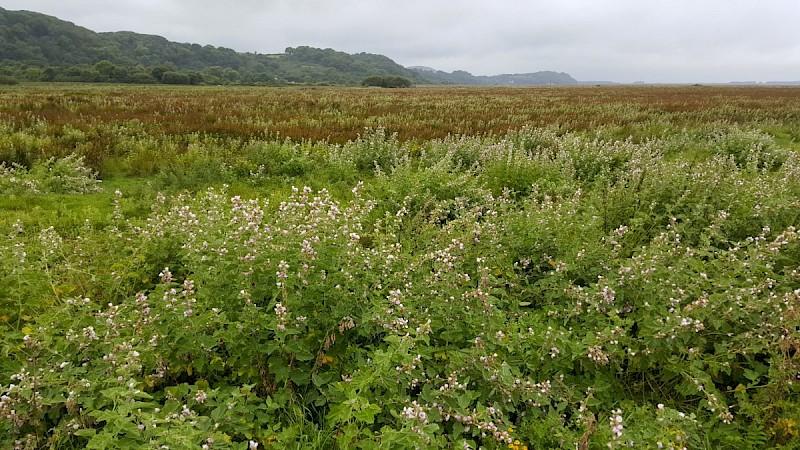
{"x":554,"y":267}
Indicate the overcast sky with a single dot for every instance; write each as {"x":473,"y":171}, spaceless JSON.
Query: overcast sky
{"x":617,"y":40}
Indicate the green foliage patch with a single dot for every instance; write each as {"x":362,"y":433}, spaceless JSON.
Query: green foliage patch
{"x":67,"y":175}
{"x":540,"y":289}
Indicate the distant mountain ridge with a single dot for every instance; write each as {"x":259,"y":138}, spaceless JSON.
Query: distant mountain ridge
{"x":37,"y":47}
{"x":515,"y":79}
{"x":69,"y":52}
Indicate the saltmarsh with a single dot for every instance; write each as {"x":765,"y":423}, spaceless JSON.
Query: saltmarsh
{"x":585,"y":267}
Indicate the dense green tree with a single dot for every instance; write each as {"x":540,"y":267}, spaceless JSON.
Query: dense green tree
{"x":79,"y":72}
{"x":107,"y":70}
{"x":175,"y":78}
{"x":231,"y":75}
{"x":387,"y":82}
{"x":34,"y":74}
{"x":49,"y":74}
{"x":195,"y":77}
{"x":159,"y":71}
{"x":140,"y":75}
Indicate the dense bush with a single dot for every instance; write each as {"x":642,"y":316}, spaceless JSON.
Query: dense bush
{"x":387,"y":82}
{"x":175,"y":78}
{"x":66,"y":175}
{"x":7,"y":81}
{"x":614,"y":300}
{"x":540,"y":288}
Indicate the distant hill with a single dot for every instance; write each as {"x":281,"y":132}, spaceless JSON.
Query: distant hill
{"x":517,"y":79}
{"x":37,"y":47}
{"x":597,"y":82}
{"x":422,"y":68}
{"x":768,"y":83}
{"x":31,"y":41}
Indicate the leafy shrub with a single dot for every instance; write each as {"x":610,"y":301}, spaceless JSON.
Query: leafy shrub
{"x":283,"y":159}
{"x":66,"y":175}
{"x":435,"y":324}
{"x":387,"y":82}
{"x":196,"y":168}
{"x":8,"y":81}
{"x":749,"y":147}
{"x":147,"y":156}
{"x":175,"y":78}
{"x":374,"y":151}
{"x":21,"y":147}
{"x":543,"y":288}
{"x":15,"y":179}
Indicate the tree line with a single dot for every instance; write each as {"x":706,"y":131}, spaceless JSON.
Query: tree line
{"x":108,"y":72}
{"x":36,"y":47}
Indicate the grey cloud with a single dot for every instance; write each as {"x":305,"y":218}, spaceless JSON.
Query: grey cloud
{"x":624,"y":40}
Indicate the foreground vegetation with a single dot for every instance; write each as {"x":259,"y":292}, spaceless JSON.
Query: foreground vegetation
{"x":496,"y":268}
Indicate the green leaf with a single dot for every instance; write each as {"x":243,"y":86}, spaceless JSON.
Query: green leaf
{"x":300,"y":377}
{"x":339,"y":413}
{"x":321,"y":379}
{"x":279,"y":368}
{"x":100,"y":442}
{"x":367,"y":413}
{"x":464,"y":401}
{"x":85,"y":432}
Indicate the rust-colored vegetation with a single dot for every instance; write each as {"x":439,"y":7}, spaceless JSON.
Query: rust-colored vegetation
{"x":338,"y":115}
{"x":99,"y":122}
